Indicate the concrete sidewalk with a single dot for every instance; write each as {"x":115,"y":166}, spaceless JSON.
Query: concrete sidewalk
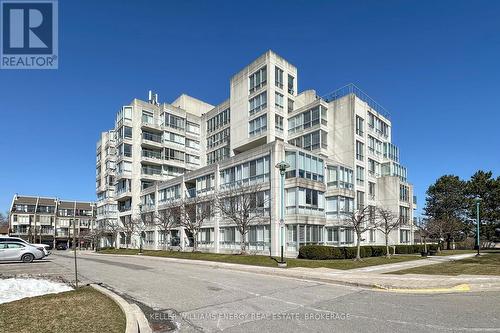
{"x":404,"y":283}
{"x":410,"y":264}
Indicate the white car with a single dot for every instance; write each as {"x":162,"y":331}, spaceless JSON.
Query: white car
{"x":41,"y":247}
{"x":17,"y":251}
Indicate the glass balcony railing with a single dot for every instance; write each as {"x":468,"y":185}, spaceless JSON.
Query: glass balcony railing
{"x":152,"y":137}
{"x":152,"y":154}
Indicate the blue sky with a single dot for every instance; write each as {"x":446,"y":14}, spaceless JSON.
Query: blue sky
{"x":433,"y":64}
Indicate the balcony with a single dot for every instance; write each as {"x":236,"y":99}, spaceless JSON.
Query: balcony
{"x":151,"y":139}
{"x":123,"y":192}
{"x":151,"y":123}
{"x":191,"y":193}
{"x":152,"y":156}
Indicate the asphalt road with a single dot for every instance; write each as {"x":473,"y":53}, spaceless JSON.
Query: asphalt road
{"x":198,"y":298}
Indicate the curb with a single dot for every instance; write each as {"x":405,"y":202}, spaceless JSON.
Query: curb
{"x":458,"y":288}
{"x":136,"y":321}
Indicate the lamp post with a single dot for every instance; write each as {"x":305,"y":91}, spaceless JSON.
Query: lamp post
{"x":477,"y":199}
{"x":282,"y":166}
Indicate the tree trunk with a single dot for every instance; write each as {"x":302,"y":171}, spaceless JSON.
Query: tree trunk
{"x":195,"y":241}
{"x":243,"y":244}
{"x":358,"y":252}
{"x":387,"y":254}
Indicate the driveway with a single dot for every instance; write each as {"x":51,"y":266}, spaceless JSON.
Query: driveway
{"x":201,"y":298}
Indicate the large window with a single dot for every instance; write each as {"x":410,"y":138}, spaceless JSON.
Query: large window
{"x":278,"y":122}
{"x":340,"y":177}
{"x":221,"y":119}
{"x":169,"y":193}
{"x":147,"y":117}
{"x":174,"y":121}
{"x":192,"y":127}
{"x":279,"y":101}
{"x":219,"y":138}
{"x":175,"y":138}
{"x":360,"y":175}
{"x":278,"y":77}
{"x":300,"y":200}
{"x":311,"y":141}
{"x":258,"y":79}
{"x":339,"y":206}
{"x":255,"y":171}
{"x":291,"y":84}
{"x":258,"y":103}
{"x":359,"y":126}
{"x":404,"y":193}
{"x":307,"y":119}
{"x":360,"y":148}
{"x":218,"y":155}
{"x":304,"y":166}
{"x":257,"y":126}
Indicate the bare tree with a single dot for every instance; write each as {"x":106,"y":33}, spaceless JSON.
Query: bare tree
{"x":245,"y":206}
{"x":388,"y":223}
{"x":196,"y":211}
{"x":360,"y":221}
{"x":424,"y":231}
{"x":111,"y":226}
{"x":128,"y":228}
{"x":142,"y":222}
{"x":93,"y":236}
{"x":167,"y":218}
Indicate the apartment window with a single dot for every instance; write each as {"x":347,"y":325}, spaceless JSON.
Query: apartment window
{"x":248,"y":172}
{"x":360,"y":175}
{"x":339,"y":206}
{"x":340,"y":177}
{"x":279,"y":100}
{"x":404,"y":193}
{"x":404,"y":214}
{"x":371,"y":190}
{"x":192,"y":127}
{"x":404,"y":236}
{"x":290,"y":105}
{"x":169,"y":193}
{"x":257,"y":126}
{"x":258,"y":103}
{"x":360,"y":200}
{"x":174,"y":121}
{"x":332,"y":235}
{"x":304,"y":166}
{"x":147,"y":117}
{"x":306,"y":201}
{"x":217,"y":155}
{"x":127,"y":132}
{"x":278,"y":77}
{"x":307,"y":119}
{"x":360,"y":147}
{"x":125,"y":150}
{"x":258,"y":79}
{"x":291,"y":84}
{"x":173,"y":154}
{"x":359,"y":126}
{"x":195,"y":144}
{"x":175,"y":138}
{"x":221,"y":119}
{"x":192,"y":159}
{"x":278,"y":122}
{"x":372,"y":235}
{"x":151,"y":137}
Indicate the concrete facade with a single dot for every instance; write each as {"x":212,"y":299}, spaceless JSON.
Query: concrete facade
{"x":339,"y":148}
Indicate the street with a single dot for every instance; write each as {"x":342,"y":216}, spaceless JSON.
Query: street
{"x":198,"y":298}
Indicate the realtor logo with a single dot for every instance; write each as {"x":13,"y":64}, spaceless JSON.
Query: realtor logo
{"x":29,"y":34}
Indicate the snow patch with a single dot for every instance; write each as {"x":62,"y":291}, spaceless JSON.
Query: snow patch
{"x":14,"y":289}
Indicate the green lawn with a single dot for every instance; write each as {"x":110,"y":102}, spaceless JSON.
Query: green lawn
{"x":82,"y":310}
{"x":452,"y":252}
{"x":487,"y":264}
{"x":258,"y":260}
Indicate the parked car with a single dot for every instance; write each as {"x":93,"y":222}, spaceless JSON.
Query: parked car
{"x":41,"y":247}
{"x":61,"y":246}
{"x":17,"y":251}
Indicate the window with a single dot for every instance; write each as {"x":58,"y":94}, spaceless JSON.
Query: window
{"x":278,"y":77}
{"x":360,"y":147}
{"x":258,"y":79}
{"x":359,"y":126}
{"x":291,"y":84}
{"x":173,"y":154}
{"x":127,"y":132}
{"x":304,"y":166}
{"x":147,"y":117}
{"x":290,"y":105}
{"x":307,"y":119}
{"x":360,"y":175}
{"x":371,"y":190}
{"x":348,"y":236}
{"x":258,"y":103}
{"x":218,"y":155}
{"x":192,"y":127}
{"x":174,"y":121}
{"x":279,"y":100}
{"x":192,"y":159}
{"x":175,"y":138}
{"x":404,"y":214}
{"x":278,"y":122}
{"x":372,"y":235}
{"x":221,"y":119}
{"x":169,"y":193}
{"x":249,"y":172}
{"x":360,"y":200}
{"x":195,"y":144}
{"x":340,"y":177}
{"x":339,"y":206}
{"x":404,"y":236}
{"x":332,"y":235}
{"x":310,"y":141}
{"x":404,"y":193}
{"x":257,"y":126}
{"x":300,"y":200}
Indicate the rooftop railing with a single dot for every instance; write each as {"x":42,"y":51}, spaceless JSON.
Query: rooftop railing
{"x":353,"y":89}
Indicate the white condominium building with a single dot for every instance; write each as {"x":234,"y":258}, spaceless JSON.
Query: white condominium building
{"x":338,"y":148}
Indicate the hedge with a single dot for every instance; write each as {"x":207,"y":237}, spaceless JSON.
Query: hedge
{"x":322,"y":252}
